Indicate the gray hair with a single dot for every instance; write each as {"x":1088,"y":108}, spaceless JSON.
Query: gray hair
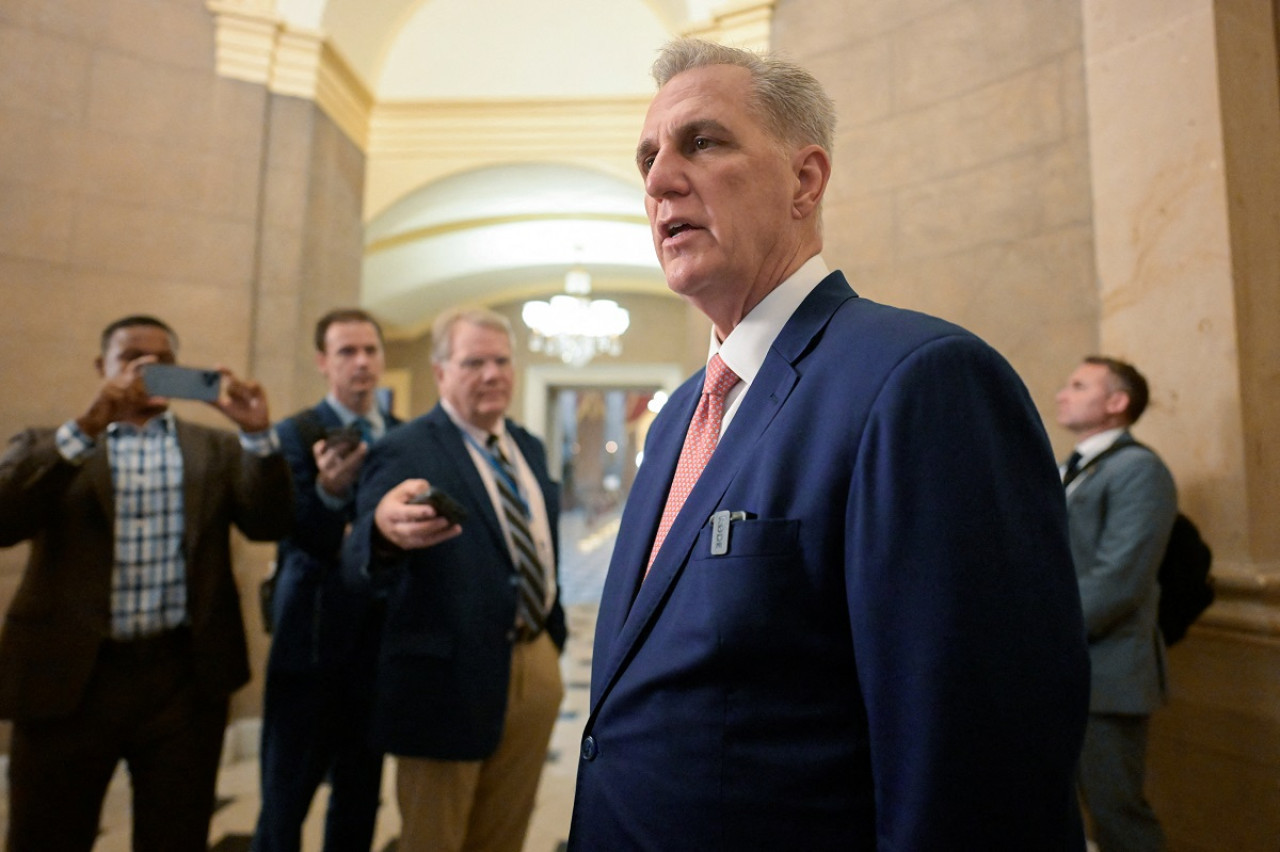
{"x":442,"y":329}
{"x":791,"y":102}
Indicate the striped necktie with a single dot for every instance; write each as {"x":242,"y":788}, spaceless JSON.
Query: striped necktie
{"x":531,"y":606}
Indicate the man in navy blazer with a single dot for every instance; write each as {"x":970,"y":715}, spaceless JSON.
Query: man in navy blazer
{"x":318,"y":696}
{"x":861,"y":630}
{"x":468,"y":682}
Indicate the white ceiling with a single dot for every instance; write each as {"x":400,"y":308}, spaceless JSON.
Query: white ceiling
{"x":514,"y":229}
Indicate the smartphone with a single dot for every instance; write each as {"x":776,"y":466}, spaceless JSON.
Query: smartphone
{"x":446,"y":507}
{"x":344,"y":439}
{"x":181,"y":382}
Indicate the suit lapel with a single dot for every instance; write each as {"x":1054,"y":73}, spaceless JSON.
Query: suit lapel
{"x":766,"y":396}
{"x":454,"y":452}
{"x":642,"y":513}
{"x":194,"y":463}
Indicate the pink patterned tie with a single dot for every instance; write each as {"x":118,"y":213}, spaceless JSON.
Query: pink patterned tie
{"x":699,"y":444}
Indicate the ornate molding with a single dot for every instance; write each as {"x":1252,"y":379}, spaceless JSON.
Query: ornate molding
{"x":255,"y":45}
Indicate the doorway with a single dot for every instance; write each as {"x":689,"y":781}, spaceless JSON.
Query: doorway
{"x":593,"y":421}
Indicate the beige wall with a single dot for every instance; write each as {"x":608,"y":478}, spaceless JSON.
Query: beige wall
{"x":133,"y":179}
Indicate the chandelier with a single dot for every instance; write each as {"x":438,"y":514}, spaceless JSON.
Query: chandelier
{"x":573,"y":327}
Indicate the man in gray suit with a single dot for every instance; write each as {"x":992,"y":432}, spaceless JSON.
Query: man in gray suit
{"x":1121,"y":503}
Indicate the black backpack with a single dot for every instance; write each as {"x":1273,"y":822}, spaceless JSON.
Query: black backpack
{"x":1186,"y":587}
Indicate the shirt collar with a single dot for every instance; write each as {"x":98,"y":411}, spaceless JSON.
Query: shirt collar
{"x":745,"y":348}
{"x":347,"y":416}
{"x":481,"y":436}
{"x":1095,"y":444}
{"x":163,"y":423}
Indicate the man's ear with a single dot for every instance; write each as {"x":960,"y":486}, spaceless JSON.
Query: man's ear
{"x":99,"y":365}
{"x":1117,"y":402}
{"x":812,"y":169}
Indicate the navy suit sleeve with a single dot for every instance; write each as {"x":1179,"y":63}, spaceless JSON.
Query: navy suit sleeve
{"x":317,"y":529}
{"x":966,"y":622}
{"x":384,"y":468}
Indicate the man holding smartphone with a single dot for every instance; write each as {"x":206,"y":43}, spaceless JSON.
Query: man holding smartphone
{"x":319,"y":684}
{"x":468,"y":681}
{"x":125,"y":640}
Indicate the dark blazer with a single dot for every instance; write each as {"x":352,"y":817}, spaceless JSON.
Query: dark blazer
{"x":61,"y":613}
{"x":890,"y":655}
{"x":445,"y":659}
{"x":1120,"y":510}
{"x":316,"y":613}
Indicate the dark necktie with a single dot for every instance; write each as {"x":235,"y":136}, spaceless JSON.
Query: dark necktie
{"x":366,"y":430}
{"x":531,"y":606}
{"x":1072,"y":469}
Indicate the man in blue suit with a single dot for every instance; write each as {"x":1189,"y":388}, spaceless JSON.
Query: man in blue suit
{"x":468,"y":683}
{"x":860,"y":628}
{"x":318,"y":697}
{"x":1121,"y":503}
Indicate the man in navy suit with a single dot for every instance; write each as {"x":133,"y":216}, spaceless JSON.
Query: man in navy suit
{"x":318,"y":697}
{"x":468,"y":684}
{"x":1121,"y":503}
{"x":861,"y":628}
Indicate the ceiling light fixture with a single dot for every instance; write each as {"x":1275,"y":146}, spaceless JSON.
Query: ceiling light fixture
{"x":574,"y":327}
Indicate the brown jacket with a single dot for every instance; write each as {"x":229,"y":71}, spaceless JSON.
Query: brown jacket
{"x":61,"y":612}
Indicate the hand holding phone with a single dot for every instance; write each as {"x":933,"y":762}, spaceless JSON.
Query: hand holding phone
{"x":446,"y":507}
{"x":344,"y":439}
{"x":170,"y":380}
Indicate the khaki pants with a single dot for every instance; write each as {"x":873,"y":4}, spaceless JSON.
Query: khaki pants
{"x":484,"y":806}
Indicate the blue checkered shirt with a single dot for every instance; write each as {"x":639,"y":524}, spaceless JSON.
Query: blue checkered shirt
{"x":148,"y":582}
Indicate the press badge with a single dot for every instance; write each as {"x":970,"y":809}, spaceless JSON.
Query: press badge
{"x":721,"y":526}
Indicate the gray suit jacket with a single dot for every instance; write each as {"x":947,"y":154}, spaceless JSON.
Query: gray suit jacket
{"x":1120,"y":511}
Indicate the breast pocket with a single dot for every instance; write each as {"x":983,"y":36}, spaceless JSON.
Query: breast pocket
{"x":756,"y":585}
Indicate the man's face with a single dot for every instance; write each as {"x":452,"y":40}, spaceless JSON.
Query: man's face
{"x":477,"y":378}
{"x":1090,"y":402}
{"x":352,"y":363}
{"x":719,"y":189}
{"x":127,"y":345}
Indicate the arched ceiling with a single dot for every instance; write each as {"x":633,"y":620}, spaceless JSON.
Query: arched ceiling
{"x":503,"y":233}
{"x":503,"y":229}
{"x":365,"y":32}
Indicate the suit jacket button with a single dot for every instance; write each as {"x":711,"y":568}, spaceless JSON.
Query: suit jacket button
{"x":590,"y":749}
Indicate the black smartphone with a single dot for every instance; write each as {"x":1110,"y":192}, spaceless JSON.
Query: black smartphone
{"x":344,"y":439}
{"x":446,"y":507}
{"x":181,"y":382}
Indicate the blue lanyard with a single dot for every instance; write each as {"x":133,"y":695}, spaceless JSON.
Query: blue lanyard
{"x":499,"y":470}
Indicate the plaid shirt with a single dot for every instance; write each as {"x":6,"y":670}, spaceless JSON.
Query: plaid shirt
{"x":148,"y":582}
